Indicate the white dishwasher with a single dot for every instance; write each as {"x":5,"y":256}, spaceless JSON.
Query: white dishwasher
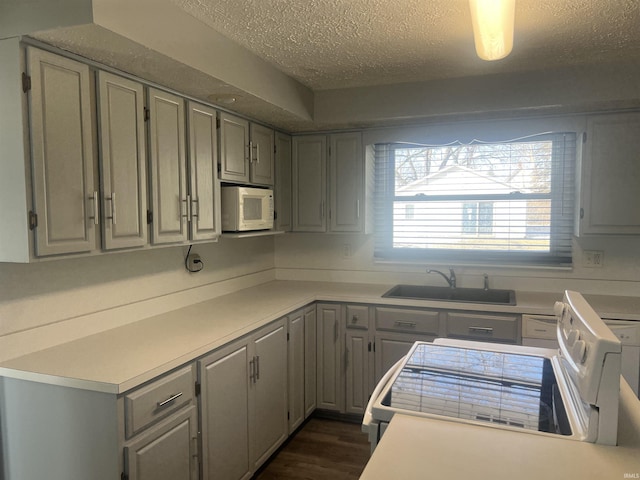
{"x":540,"y":331}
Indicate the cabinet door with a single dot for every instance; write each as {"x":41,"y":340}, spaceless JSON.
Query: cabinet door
{"x":262,"y":156}
{"x":283,"y":182}
{"x":168,"y":167}
{"x":204,"y":189}
{"x":234,"y":149}
{"x":310,"y":363}
{"x":610,"y":203}
{"x":268,"y":393}
{"x":122,"y":161}
{"x":64,"y":193}
{"x":309,"y":183}
{"x":346,"y":182}
{"x":330,"y":378}
{"x":391,"y":347}
{"x":224,"y":377}
{"x":296,"y":367}
{"x":166,"y":452}
{"x":357,"y":370}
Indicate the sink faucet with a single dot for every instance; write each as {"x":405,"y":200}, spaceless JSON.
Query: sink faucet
{"x":451,"y":279}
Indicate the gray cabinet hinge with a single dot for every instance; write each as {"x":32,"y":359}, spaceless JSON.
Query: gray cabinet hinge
{"x":287,"y":336}
{"x":33,"y":220}
{"x":581,"y":213}
{"x":584,"y":137}
{"x":147,"y":114}
{"x":198,"y":389}
{"x":26,"y":82}
{"x":149,"y":216}
{"x":217,"y":123}
{"x":369,"y":347}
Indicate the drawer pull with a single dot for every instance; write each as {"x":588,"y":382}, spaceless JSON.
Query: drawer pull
{"x":400,"y":323}
{"x":540,"y":330}
{"x":169,"y":400}
{"x":483,"y":330}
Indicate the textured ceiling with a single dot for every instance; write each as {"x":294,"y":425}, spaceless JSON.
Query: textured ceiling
{"x":328,"y":44}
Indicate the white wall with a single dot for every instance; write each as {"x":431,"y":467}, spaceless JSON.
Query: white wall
{"x":46,"y":303}
{"x":322,"y":257}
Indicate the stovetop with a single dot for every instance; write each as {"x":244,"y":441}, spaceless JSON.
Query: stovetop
{"x":507,"y":389}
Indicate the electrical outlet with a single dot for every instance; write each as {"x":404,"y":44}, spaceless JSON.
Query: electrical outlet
{"x":194,"y":262}
{"x":592,"y":258}
{"x":346,"y":250}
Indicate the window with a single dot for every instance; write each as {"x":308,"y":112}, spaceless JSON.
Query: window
{"x":507,"y":202}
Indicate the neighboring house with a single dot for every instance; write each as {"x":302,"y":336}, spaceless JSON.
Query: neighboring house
{"x":446,"y":223}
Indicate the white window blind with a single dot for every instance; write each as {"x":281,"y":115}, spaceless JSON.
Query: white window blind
{"x":508,"y":202}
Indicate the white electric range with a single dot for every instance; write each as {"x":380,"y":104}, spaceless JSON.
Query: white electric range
{"x":572,"y":391}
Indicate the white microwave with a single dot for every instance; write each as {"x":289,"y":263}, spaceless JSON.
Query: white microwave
{"x":246,"y":208}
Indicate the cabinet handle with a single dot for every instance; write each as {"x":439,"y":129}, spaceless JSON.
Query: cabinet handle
{"x":255,"y":147}
{"x":257,"y":367}
{"x":252,"y":376}
{"x":321,"y":210}
{"x":354,"y":319}
{"x":195,"y":207}
{"x":482,"y":330}
{"x":249,"y":150}
{"x":194,"y":447}
{"x":188,"y":208}
{"x":169,"y":400}
{"x":400,"y":323}
{"x":183,"y":207}
{"x":357,"y":209}
{"x":335,"y":331}
{"x":95,"y":207}
{"x":112,"y":199}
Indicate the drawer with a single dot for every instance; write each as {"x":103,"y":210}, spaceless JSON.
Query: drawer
{"x":404,"y":320}
{"x":358,"y":316}
{"x":486,"y":328}
{"x":539,"y":327}
{"x":164,"y":396}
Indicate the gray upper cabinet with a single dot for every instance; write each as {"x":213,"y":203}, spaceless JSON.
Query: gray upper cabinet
{"x":234,"y":149}
{"x":65,"y":197}
{"x":345,"y":188}
{"x":346,"y":182}
{"x":246,"y":151}
{"x":204,"y":190}
{"x":283,"y":182}
{"x":168,"y":172}
{"x":609,"y":200}
{"x":122,"y":161}
{"x":309,"y":183}
{"x":261,"y":171}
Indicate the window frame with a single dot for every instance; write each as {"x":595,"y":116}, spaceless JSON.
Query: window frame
{"x":561,"y":198}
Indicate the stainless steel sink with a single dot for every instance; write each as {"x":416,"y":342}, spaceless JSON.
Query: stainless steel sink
{"x":448,"y":294}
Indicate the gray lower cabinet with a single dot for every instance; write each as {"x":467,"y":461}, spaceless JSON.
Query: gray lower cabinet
{"x":296,"y":369}
{"x":244,"y":403}
{"x":168,"y":451}
{"x":310,"y":360}
{"x":358,"y":359}
{"x":330,"y":375}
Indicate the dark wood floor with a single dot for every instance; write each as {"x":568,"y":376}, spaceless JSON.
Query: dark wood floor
{"x":322,"y":450}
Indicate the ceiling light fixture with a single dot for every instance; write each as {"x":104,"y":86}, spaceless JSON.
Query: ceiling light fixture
{"x":493,"y":27}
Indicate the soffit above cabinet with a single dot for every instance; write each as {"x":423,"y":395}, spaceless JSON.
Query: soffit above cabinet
{"x":327,"y":64}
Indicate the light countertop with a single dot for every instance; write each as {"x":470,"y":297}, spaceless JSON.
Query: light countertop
{"x":122,"y":358}
{"x":415,"y":448}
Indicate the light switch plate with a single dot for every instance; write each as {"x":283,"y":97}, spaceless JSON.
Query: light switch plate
{"x":592,"y":258}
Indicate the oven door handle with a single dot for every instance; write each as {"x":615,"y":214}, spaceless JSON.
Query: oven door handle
{"x":368,"y":413}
